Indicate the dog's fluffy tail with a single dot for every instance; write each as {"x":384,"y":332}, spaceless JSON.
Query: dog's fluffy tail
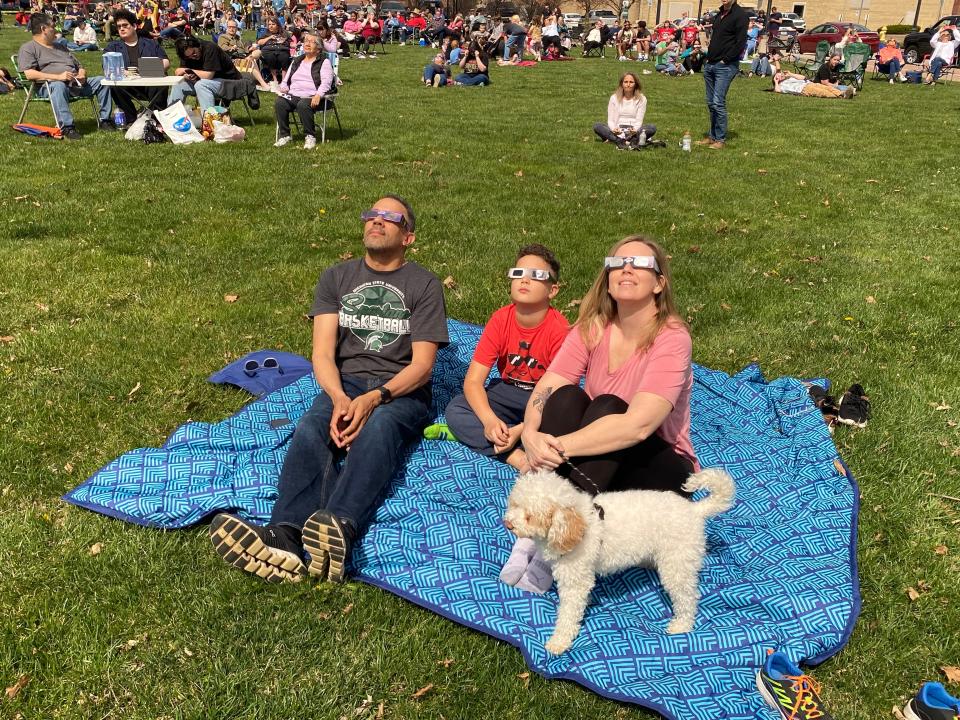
{"x":721,"y":488}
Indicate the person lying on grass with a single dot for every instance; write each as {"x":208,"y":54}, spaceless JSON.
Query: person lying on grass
{"x":790,"y":83}
{"x":625,"y":112}
{"x":378,"y":322}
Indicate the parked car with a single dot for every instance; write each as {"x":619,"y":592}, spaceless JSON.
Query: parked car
{"x":392,"y":6}
{"x":607,"y":17}
{"x":572,"y":20}
{"x":832,"y":32}
{"x":795,"y":21}
{"x":917,"y":44}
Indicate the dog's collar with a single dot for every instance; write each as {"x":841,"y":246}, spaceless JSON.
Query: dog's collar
{"x":599,"y":510}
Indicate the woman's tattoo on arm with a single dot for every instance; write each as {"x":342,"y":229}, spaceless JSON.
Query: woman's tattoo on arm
{"x":540,"y":399}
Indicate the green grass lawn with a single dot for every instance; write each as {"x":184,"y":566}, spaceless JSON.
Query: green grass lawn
{"x":822,"y":241}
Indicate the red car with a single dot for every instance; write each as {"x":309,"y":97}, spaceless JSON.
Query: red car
{"x":832,"y":32}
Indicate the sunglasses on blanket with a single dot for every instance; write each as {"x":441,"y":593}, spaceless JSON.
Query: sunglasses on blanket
{"x":250,"y":367}
{"x":535,"y":273}
{"x":389,"y":215}
{"x":637,"y":261}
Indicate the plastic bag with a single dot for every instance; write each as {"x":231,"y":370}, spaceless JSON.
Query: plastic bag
{"x":135,"y":131}
{"x":223,"y":132}
{"x":213,"y":114}
{"x":177,"y":125}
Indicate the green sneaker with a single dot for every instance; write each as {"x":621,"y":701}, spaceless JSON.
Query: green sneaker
{"x":439,"y":431}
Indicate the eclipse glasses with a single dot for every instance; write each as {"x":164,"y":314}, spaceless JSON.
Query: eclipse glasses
{"x":535,"y":273}
{"x":638,"y":261}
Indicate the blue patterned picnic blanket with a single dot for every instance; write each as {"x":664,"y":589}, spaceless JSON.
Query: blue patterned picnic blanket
{"x":780,"y":570}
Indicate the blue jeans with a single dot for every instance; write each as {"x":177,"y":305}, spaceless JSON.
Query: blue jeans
{"x":204,"y":90}
{"x":893,"y":67}
{"x":716,"y":79}
{"x":605,"y":133}
{"x":508,"y":403}
{"x":936,"y":67}
{"x":60,"y":95}
{"x":317,"y":475}
{"x":430,"y":71}
{"x":514,"y":41}
{"x":171,"y":33}
{"x":760,"y":66}
{"x":82,"y":47}
{"x":478,"y":79}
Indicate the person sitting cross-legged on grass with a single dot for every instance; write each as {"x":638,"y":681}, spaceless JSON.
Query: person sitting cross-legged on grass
{"x":625,"y":112}
{"x":204,"y":65}
{"x":84,"y":37}
{"x":475,"y":65}
{"x":669,"y":61}
{"x":55,"y":68}
{"x":378,"y":322}
{"x":521,"y":339}
{"x":303,"y":90}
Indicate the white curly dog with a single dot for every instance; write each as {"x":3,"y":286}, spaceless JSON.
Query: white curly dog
{"x":639,"y":528}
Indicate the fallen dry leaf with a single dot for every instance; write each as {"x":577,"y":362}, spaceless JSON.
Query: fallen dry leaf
{"x":421,"y":692}
{"x":872,"y":181}
{"x":761,"y":171}
{"x":347,"y":609}
{"x":574,"y":303}
{"x":525,"y":676}
{"x":230,"y":298}
{"x":187,"y":652}
{"x":913,"y":594}
{"x":134,"y":390}
{"x":449,"y":283}
{"x":923,"y":586}
{"x":825,"y":202}
{"x":952,"y":673}
{"x":6,"y":339}
{"x":19,"y":685}
{"x":941,"y":549}
{"x":345,"y":255}
{"x":673,"y":227}
{"x":519,"y":173}
{"x":896,"y":712}
{"x":871,"y":300}
{"x":942,"y":406}
{"x":96,"y":549}
{"x":42,"y":307}
{"x":693,"y":249}
{"x":724,"y":306}
{"x":446,"y":662}
{"x":365,"y":705}
{"x":379,"y":714}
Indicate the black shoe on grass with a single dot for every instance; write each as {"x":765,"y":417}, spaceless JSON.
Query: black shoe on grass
{"x":933,"y":702}
{"x":826,"y":404}
{"x":329,"y":541}
{"x":787,"y":690}
{"x":854,"y":407}
{"x":70,"y":133}
{"x":267,"y":552}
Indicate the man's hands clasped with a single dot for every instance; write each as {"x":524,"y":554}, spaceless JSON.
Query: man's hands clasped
{"x":349,"y":417}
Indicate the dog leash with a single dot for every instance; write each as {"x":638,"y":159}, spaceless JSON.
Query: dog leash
{"x":586,"y":477}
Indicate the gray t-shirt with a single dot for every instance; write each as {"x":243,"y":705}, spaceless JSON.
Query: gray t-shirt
{"x":381,"y":314}
{"x":53,"y":60}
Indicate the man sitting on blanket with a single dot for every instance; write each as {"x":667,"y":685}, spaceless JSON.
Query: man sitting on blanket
{"x":378,"y":322}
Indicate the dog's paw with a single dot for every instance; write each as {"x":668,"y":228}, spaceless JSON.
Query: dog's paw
{"x":679,"y":626}
{"x":556,"y":646}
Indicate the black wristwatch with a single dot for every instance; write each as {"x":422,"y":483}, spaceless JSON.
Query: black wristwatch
{"x":385,"y":395}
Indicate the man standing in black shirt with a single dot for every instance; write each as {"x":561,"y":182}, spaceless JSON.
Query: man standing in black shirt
{"x":727,"y":43}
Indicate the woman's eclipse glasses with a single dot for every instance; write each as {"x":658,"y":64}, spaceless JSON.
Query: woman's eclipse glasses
{"x":638,"y":261}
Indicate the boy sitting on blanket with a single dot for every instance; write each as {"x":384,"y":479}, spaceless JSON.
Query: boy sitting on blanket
{"x":522,"y":338}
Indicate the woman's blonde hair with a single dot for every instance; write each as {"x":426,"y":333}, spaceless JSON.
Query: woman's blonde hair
{"x":598,"y":309}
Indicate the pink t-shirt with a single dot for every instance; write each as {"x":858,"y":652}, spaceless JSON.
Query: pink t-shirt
{"x":664,"y":370}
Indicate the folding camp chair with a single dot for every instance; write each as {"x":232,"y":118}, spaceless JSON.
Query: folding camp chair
{"x":809,"y":67}
{"x":30,"y":95}
{"x":855,"y":57}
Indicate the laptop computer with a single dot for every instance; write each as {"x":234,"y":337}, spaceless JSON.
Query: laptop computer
{"x":151,"y":67}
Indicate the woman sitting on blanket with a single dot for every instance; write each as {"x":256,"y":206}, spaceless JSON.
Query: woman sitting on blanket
{"x":629,"y":427}
{"x":625,"y":112}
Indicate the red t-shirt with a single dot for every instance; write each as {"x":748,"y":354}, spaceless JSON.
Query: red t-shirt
{"x":690,"y":33}
{"x":665,"y":33}
{"x":522,"y":355}
{"x":664,"y":369}
{"x":417,"y":21}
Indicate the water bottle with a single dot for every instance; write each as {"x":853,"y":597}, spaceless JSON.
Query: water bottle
{"x":119,"y":119}
{"x":687,"y":142}
{"x":642,"y":140}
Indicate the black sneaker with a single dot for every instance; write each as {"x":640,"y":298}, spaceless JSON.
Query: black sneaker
{"x":933,"y":702}
{"x":70,"y":133}
{"x":106,"y":125}
{"x":785,"y":688}
{"x":329,"y":541}
{"x":267,"y":552}
{"x":826,"y":404}
{"x":854,"y":407}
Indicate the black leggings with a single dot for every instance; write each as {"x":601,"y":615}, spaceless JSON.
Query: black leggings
{"x":649,"y":465}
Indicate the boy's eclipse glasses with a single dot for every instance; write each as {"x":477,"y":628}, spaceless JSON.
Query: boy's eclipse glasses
{"x":535,"y":273}
{"x":638,"y":261}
